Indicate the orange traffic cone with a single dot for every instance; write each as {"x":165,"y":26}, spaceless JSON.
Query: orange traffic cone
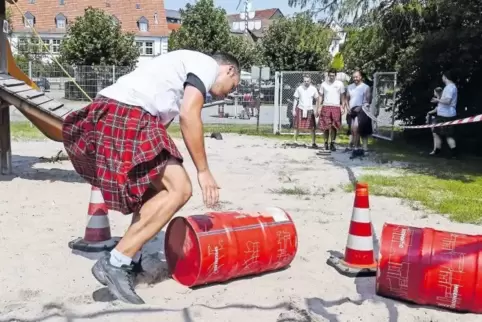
{"x":97,"y":237}
{"x":359,"y":257}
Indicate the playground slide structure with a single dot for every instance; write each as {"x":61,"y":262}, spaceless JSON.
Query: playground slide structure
{"x":19,"y":90}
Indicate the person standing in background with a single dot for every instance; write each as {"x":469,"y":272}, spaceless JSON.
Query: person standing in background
{"x":446,"y":111}
{"x":332,"y":93}
{"x":359,"y":124}
{"x":303,"y":112}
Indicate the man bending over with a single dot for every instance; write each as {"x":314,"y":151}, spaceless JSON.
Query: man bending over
{"x":119,"y":143}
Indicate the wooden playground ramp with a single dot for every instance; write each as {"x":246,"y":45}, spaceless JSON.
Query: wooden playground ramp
{"x":44,"y":112}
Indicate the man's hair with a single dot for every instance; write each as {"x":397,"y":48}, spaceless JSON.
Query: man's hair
{"x":332,"y":71}
{"x":359,"y":72}
{"x":227,"y":59}
{"x":448,"y":75}
{"x":307,"y":76}
{"x":438,"y":90}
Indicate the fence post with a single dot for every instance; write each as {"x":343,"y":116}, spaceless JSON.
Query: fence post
{"x":30,"y":69}
{"x":277,"y":107}
{"x":113,"y":74}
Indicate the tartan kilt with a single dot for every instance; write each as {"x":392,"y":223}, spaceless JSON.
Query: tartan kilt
{"x":305,"y":123}
{"x":118,"y":148}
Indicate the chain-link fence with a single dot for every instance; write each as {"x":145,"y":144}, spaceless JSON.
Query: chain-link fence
{"x":52,"y":79}
{"x":286,"y":84}
{"x":383,"y":104}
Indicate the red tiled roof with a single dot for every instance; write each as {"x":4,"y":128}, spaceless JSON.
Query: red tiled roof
{"x":259,"y":14}
{"x":126,"y":12}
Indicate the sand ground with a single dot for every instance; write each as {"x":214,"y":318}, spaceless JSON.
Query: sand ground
{"x":43,"y":207}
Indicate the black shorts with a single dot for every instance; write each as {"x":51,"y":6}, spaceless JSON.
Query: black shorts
{"x":448,"y":130}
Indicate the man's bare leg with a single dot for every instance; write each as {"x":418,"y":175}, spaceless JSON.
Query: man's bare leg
{"x":313,"y":136}
{"x":174,"y":190}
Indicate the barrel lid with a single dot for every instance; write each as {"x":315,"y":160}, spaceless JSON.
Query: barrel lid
{"x":183,"y":254}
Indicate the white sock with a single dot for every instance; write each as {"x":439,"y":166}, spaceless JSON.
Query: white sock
{"x":137,"y":257}
{"x":118,"y":259}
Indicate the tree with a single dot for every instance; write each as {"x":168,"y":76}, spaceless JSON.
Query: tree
{"x":338,"y":62}
{"x":297,"y":43}
{"x":246,"y":50}
{"x":96,"y":39}
{"x":204,"y":28}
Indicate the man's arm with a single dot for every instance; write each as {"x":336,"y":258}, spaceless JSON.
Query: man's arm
{"x":192,"y":127}
{"x":447,"y":96}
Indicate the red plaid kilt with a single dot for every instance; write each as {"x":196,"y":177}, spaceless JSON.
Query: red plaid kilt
{"x":305,"y":123}
{"x":330,"y":116}
{"x":118,"y":148}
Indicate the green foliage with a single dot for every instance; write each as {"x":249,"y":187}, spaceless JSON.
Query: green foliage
{"x":338,"y":62}
{"x":297,"y":43}
{"x":247,"y":51}
{"x":96,"y":39}
{"x":204,"y":28}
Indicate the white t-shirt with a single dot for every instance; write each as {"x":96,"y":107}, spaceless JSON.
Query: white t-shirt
{"x":332,"y":93}
{"x":448,"y":110}
{"x":358,"y":94}
{"x":305,"y":96}
{"x":157,"y":85}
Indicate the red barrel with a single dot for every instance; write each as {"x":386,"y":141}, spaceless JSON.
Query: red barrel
{"x":219,"y":246}
{"x":431,"y":267}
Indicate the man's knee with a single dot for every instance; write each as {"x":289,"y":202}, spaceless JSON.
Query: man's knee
{"x":176,"y":181}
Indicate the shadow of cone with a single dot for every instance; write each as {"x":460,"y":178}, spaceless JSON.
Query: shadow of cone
{"x":359,"y":259}
{"x":97,"y":237}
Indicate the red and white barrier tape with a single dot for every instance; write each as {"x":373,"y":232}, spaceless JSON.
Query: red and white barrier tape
{"x":471,"y":119}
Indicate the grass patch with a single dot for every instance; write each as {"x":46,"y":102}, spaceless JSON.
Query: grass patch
{"x":25,"y":131}
{"x":460,"y":197}
{"x":295,"y":191}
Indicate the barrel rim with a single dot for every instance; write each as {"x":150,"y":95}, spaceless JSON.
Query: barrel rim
{"x":188,"y":224}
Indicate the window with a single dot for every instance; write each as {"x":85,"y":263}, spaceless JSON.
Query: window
{"x":143,"y":24}
{"x":55,"y":48}
{"x":31,"y":1}
{"x":29,"y":46}
{"x":60,"y":21}
{"x":146,"y":48}
{"x":138,"y":5}
{"x":61,"y":2}
{"x":29,"y":20}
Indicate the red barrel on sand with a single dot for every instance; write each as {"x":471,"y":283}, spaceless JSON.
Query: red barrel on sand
{"x":431,"y":267}
{"x":220,"y":246}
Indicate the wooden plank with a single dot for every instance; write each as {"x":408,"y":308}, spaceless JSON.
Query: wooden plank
{"x":61,"y":112}
{"x":40,"y":100}
{"x":18,"y":88}
{"x":51,"y":105}
{"x":32,"y":93}
{"x":13,"y":82}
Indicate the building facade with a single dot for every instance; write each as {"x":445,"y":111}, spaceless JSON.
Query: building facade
{"x":258,"y":22}
{"x":50,"y":18}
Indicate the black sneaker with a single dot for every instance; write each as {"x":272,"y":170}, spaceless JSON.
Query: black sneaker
{"x":327,"y":147}
{"x":332,"y":147}
{"x":119,"y":280}
{"x":137,"y":267}
{"x":314,"y":146}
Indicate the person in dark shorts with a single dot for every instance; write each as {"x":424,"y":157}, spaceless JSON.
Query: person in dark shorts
{"x":359,"y":123}
{"x":119,"y":144}
{"x":446,"y":111}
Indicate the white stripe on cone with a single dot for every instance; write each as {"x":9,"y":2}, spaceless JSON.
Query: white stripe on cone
{"x":359,"y":243}
{"x":98,"y":222}
{"x":361,"y":215}
{"x":96,"y":196}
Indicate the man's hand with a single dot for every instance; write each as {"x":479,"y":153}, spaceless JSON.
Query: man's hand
{"x":209,"y":188}
{"x":434,"y":100}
